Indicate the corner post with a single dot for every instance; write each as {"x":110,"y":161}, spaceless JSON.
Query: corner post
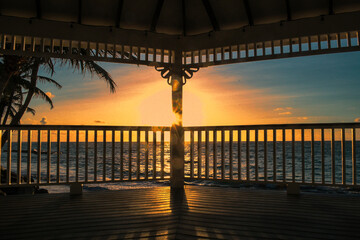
{"x":177,"y":130}
{"x":176,"y":74}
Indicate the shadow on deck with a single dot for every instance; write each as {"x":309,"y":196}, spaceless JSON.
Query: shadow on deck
{"x":196,"y":212}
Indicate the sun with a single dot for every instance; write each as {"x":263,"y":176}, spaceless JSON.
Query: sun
{"x":155,"y":109}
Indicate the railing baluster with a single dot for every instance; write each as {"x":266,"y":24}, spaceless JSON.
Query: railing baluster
{"x":104,"y":155}
{"x":191,"y":154}
{"x":247,"y":155}
{"x":239,"y":155}
{"x":207,"y":154}
{"x":322,"y":157}
{"x":343,"y":146}
{"x":48,"y":155}
{"x":77,"y":157}
{"x":9,"y":149}
{"x":302,"y":155}
{"x":154,"y":154}
{"x":253,"y":169}
{"x":354,"y":180}
{"x":1,"y":133}
{"x":222,"y":154}
{"x":86,"y":156}
{"x":19,"y":157}
{"x":58,"y":157}
{"x":146,"y":155}
{"x":130,"y":154}
{"x":230,"y":151}
{"x":67,"y":154}
{"x":113,"y":155}
{"x":38,"y":158}
{"x":312,"y":157}
{"x":215,"y":154}
{"x":274,"y":155}
{"x":95,"y":155}
{"x":162,"y":154}
{"x":284,"y":154}
{"x":333,"y":156}
{"x":256,"y":155}
{"x":29,"y":142}
{"x":293,"y":153}
{"x":199,"y":154}
{"x":138,"y":135}
{"x":265,"y":156}
{"x":121,"y":155}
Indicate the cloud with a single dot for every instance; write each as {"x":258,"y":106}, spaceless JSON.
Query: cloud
{"x":282,"y":109}
{"x":43,"y":121}
{"x":50,"y":95}
{"x":99,"y":121}
{"x":29,"y":121}
{"x":357,"y":119}
{"x":303,"y":118}
{"x":285,"y":113}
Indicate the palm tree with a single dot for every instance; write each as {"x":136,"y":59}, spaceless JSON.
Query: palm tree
{"x":12,"y":99}
{"x":25,"y":75}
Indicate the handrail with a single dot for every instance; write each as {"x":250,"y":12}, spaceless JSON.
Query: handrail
{"x":84,"y":127}
{"x":275,"y":126}
{"x":66,"y":154}
{"x":318,"y":154}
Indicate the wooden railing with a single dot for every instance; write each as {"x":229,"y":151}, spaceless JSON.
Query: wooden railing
{"x":274,"y":49}
{"x":310,"y":154}
{"x":46,"y":155}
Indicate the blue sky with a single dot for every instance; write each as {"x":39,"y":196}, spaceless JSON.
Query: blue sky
{"x":320,"y":88}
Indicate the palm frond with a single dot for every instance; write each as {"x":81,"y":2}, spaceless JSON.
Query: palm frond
{"x":101,"y":73}
{"x":46,"y":79}
{"x":40,"y":93}
{"x":31,"y":110}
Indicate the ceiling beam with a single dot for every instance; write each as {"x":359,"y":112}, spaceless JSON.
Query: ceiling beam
{"x":118,"y":14}
{"x":156,"y":16}
{"x":336,"y":23}
{"x":288,"y":10}
{"x":79,"y":11}
{"x":331,"y":7}
{"x":248,"y":12}
{"x":183,"y":17}
{"x":38,"y":9}
{"x":211,"y":15}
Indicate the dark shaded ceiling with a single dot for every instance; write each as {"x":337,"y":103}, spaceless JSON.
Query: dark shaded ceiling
{"x":175,"y":17}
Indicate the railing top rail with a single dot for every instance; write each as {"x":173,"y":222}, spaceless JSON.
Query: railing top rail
{"x":276,"y":126}
{"x":86,"y":127}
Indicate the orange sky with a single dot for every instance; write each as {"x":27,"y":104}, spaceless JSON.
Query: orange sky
{"x":144,"y":98}
{"x":296,"y":90}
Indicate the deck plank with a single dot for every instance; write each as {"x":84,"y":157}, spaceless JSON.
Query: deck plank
{"x":197,"y":213}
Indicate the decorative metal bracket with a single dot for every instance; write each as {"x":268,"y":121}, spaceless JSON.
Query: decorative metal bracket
{"x":167,"y":72}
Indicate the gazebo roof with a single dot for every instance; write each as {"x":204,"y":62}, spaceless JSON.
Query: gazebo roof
{"x":176,"y":17}
{"x":182,"y":25}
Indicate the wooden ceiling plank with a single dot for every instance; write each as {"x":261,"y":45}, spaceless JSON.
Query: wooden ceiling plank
{"x":248,"y":12}
{"x":288,"y":10}
{"x":156,"y":16}
{"x":211,"y":15}
{"x":38,"y":9}
{"x":79,"y":11}
{"x":119,"y":12}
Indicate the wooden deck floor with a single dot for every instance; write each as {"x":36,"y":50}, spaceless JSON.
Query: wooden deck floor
{"x":198,"y":212}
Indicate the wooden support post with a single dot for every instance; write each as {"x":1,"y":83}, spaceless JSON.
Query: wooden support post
{"x":177,"y":131}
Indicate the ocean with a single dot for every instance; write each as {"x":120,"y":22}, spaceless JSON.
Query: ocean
{"x":98,"y":165}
